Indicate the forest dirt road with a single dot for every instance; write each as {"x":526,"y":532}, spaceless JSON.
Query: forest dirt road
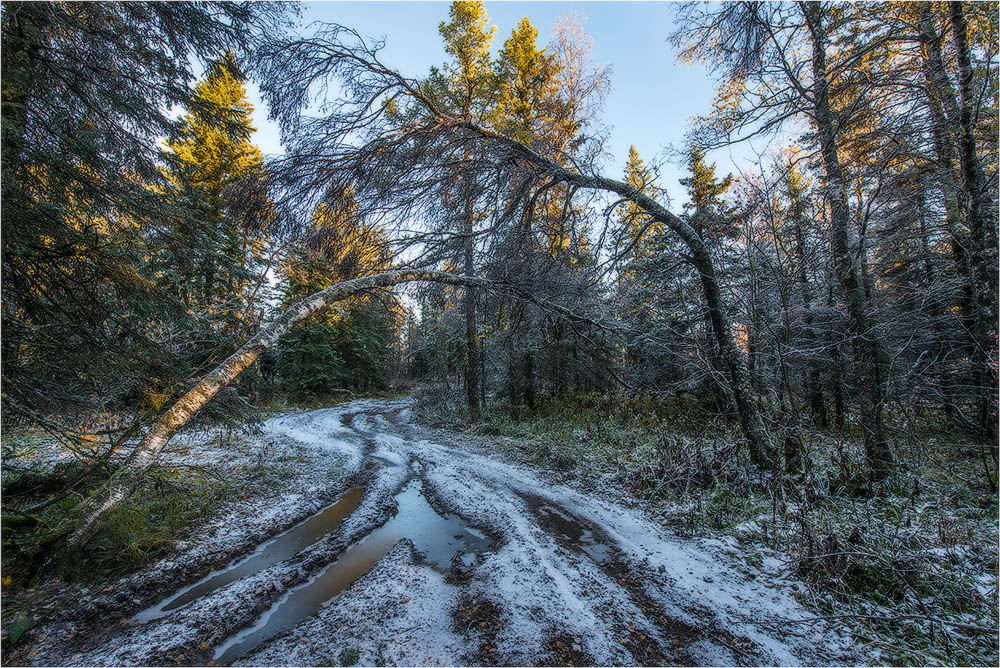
{"x":436,"y":552}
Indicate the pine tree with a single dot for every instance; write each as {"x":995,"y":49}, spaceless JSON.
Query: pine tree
{"x":540,"y":94}
{"x":350,"y":347}
{"x":705,"y":191}
{"x":214,"y":151}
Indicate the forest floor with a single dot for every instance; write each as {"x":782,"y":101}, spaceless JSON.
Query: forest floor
{"x":380,"y":542}
{"x":909,"y":568}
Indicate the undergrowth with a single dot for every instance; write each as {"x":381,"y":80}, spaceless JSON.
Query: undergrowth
{"x":908,"y":565}
{"x":168,"y":506}
{"x":163,"y":509}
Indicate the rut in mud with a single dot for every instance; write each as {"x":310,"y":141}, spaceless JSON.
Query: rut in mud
{"x":273,"y":551}
{"x":439,"y":539}
{"x":437,"y":554}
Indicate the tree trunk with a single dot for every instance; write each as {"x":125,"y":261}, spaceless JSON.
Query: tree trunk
{"x":865,"y":347}
{"x":952,"y":134}
{"x":836,"y":369}
{"x":754,"y":360}
{"x":560,"y":360}
{"x":761,"y":448}
{"x":814,"y":392}
{"x":471,"y":329}
{"x":529,"y":380}
{"x":939,"y":93}
{"x":123,"y":482}
{"x":980,"y":216}
{"x":482,"y":377}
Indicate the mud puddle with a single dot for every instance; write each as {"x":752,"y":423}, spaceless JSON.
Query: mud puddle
{"x":277,"y":549}
{"x":438,"y":538}
{"x":575,"y":534}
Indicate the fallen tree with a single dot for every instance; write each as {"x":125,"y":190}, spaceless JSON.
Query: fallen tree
{"x":181,"y":411}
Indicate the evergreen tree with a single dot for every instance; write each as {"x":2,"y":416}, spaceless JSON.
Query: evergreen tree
{"x":546,"y":246}
{"x":637,"y":224}
{"x":705,"y":191}
{"x":707,"y":215}
{"x":526,"y":84}
{"x":215,"y":246}
{"x":86,"y":89}
{"x":651,"y":292}
{"x":467,"y":39}
{"x":350,"y":347}
{"x":470,"y":86}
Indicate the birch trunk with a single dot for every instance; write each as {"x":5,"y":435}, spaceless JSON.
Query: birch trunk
{"x":139,"y":461}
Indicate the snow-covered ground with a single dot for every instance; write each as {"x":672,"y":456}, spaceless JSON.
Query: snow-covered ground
{"x":565,"y":569}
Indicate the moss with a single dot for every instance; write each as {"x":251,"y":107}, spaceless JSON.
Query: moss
{"x":165,"y":508}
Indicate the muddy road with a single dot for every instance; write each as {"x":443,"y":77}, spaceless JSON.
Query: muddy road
{"x":435,"y":552}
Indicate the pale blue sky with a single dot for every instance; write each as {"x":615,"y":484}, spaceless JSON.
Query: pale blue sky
{"x":652,"y":98}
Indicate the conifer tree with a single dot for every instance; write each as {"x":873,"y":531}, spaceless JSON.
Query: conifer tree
{"x":638,"y":224}
{"x":526,"y":83}
{"x":86,"y":89}
{"x":705,"y":191}
{"x":539,"y":242}
{"x":467,"y":39}
{"x":214,"y":247}
{"x":346,"y":348}
{"x":795,"y":188}
{"x":470,"y":84}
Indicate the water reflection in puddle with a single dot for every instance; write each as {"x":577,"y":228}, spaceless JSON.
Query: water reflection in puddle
{"x":267,"y":554}
{"x":438,"y":538}
{"x":576,"y":534}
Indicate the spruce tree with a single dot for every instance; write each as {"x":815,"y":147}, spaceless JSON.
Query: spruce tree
{"x":705,"y":191}
{"x":86,"y":89}
{"x":351,"y":347}
{"x":467,"y":39}
{"x":638,"y":224}
{"x":525,"y":82}
{"x":215,"y":247}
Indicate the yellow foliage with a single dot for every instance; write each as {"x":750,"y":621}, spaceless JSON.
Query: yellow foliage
{"x":154,"y":400}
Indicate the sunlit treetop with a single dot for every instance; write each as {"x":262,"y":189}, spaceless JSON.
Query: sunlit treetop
{"x":704,"y":189}
{"x":467,"y":39}
{"x":526,"y":82}
{"x":640,"y":177}
{"x":215,"y":146}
